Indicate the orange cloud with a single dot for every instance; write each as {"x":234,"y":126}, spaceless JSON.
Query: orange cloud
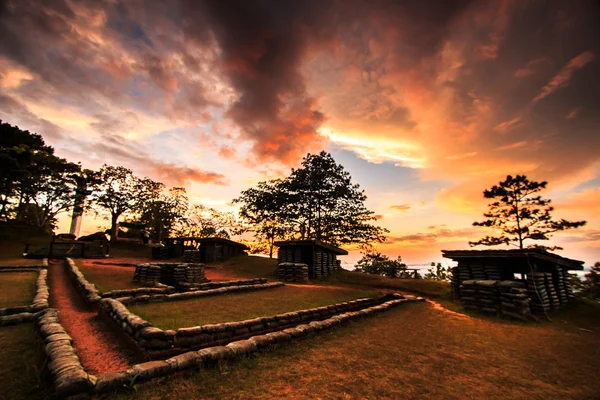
{"x":401,"y":207}
{"x":174,"y":175}
{"x":563,"y":77}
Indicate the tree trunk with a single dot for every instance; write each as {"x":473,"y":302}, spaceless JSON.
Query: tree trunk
{"x":114,"y":228}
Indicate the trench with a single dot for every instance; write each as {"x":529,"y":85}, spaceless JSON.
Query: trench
{"x":100,"y":348}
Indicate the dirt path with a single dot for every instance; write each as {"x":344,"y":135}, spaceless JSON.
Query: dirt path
{"x":100,"y":349}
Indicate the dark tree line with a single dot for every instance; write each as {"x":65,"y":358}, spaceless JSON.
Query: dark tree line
{"x":316,"y":201}
{"x":36,"y":186}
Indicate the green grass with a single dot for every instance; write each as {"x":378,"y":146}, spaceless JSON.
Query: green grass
{"x":107,"y":277}
{"x":17,"y":288}
{"x":237,"y":307}
{"x":422,"y":287}
{"x":410,"y":352}
{"x":21,"y":361}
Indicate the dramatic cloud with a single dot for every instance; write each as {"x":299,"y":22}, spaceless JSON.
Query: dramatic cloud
{"x":453,"y":94}
{"x":563,"y":77}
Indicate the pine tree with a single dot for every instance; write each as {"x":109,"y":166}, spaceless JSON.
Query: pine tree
{"x":520,"y":214}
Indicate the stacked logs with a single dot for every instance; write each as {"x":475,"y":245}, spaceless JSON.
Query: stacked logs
{"x":480,"y":295}
{"x":455,"y":282}
{"x":493,"y":273}
{"x":559,"y":284}
{"x":536,"y":289}
{"x":192,"y":256}
{"x":552,"y":295}
{"x":477,"y":271}
{"x":146,"y":273}
{"x":292,"y":272}
{"x":514,"y":301}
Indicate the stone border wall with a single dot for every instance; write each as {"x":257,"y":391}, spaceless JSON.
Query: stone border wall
{"x":67,"y":373}
{"x":88,"y":290}
{"x":233,"y":282}
{"x":237,"y":349}
{"x":17,"y":315}
{"x":158,"y":343}
{"x":197,"y":293}
{"x":162,"y":289}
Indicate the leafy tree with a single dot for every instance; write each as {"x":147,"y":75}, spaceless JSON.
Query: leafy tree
{"x":316,"y":201}
{"x":440,"y":273}
{"x":203,"y":221}
{"x":520,"y":214}
{"x":591,"y":285}
{"x":263,"y":210}
{"x":380,"y":264}
{"x":162,"y":211}
{"x":119,"y":192}
{"x":19,"y":152}
{"x":54,"y":190}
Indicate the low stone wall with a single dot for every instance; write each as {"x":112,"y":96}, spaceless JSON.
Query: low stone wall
{"x":235,"y":349}
{"x":198,"y":293}
{"x":233,"y":282}
{"x":64,"y":367}
{"x":292,"y":272}
{"x":160,"y":289}
{"x":88,"y":290}
{"x":158,"y":343}
{"x":70,"y":378}
{"x":16,"y":315}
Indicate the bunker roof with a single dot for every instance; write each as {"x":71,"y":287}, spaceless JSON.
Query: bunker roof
{"x":504,"y":257}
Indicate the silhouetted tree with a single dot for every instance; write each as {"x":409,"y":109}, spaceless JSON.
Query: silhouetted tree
{"x":591,"y":284}
{"x":263,"y":211}
{"x":203,"y":221}
{"x":520,"y":214}
{"x":380,"y":264}
{"x":438,"y":273}
{"x":118,"y":192}
{"x":316,"y":201}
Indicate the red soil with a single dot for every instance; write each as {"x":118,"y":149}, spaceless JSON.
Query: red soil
{"x":100,"y":348}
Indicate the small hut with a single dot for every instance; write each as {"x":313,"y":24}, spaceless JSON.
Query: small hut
{"x":212,"y":249}
{"x":320,"y":257}
{"x":534,"y":273}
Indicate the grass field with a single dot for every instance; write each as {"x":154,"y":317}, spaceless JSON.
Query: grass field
{"x":107,"y":277}
{"x":17,"y":288}
{"x":21,"y":361}
{"x":241,"y":306}
{"x":411,"y":352}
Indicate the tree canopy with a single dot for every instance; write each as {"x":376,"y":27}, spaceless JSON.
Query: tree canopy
{"x":380,"y":264}
{"x":520,"y":214}
{"x":316,"y":201}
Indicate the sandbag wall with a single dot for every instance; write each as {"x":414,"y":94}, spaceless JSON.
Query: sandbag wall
{"x":505,"y":298}
{"x":170,"y":273}
{"x":192,"y":256}
{"x":292,"y":272}
{"x":514,"y":301}
{"x":157,"y":343}
{"x":549,"y":291}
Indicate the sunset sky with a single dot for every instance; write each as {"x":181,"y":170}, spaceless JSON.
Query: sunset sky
{"x":425,"y":103}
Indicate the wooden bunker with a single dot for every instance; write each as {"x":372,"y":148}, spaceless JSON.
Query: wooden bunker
{"x":541,"y":275}
{"x":211,"y":249}
{"x":320,"y":257}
